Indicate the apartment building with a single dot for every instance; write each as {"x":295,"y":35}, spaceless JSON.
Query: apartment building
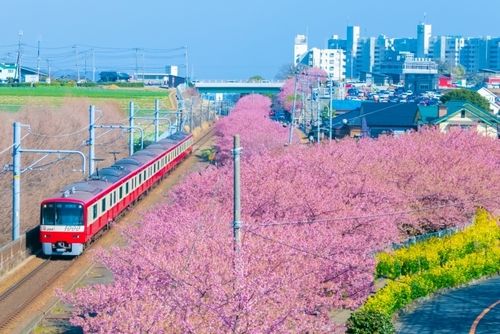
{"x":366,"y":54}
{"x":332,"y":61}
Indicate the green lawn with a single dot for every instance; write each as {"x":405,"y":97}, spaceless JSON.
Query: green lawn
{"x":13,"y":98}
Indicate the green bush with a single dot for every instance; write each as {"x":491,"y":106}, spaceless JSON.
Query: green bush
{"x":370,"y":322}
{"x":436,"y":252}
{"x":124,"y":84}
{"x":87,"y":84}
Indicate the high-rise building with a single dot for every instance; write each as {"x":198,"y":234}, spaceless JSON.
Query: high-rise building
{"x":424,"y":33}
{"x":351,"y":49}
{"x":300,"y":48}
{"x":332,"y":61}
{"x":365,"y":54}
{"x":446,"y":49}
{"x":474,"y":54}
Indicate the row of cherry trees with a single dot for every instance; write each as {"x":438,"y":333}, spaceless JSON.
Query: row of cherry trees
{"x":312,"y":218}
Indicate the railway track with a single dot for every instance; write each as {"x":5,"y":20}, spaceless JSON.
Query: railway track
{"x":19,"y":298}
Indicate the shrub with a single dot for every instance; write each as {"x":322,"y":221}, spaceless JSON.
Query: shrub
{"x":370,"y":322}
{"x":435,"y":252}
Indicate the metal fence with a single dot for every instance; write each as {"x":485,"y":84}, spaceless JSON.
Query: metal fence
{"x":423,"y":237}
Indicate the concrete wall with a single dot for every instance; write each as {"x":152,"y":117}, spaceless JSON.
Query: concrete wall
{"x":14,"y":253}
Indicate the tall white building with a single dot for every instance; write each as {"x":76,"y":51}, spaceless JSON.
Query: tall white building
{"x":424,"y":33}
{"x":365,"y":54}
{"x":351,"y":49}
{"x":332,"y":61}
{"x":446,"y":49}
{"x":300,"y":48}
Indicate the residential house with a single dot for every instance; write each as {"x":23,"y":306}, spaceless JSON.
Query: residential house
{"x":344,"y":106}
{"x":113,"y":76}
{"x":459,"y":113}
{"x":7,"y":70}
{"x":374,"y":119}
{"x":488,"y":95}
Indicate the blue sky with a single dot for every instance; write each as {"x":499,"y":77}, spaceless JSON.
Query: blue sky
{"x":225,"y":39}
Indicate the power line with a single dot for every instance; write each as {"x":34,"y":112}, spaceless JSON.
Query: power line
{"x":397,"y":213}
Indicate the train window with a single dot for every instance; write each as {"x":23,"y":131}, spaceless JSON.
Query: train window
{"x":103,"y":205}
{"x":140,"y":178}
{"x":121,"y":192}
{"x":114,"y":197}
{"x":126,"y":188}
{"x":94,"y":212}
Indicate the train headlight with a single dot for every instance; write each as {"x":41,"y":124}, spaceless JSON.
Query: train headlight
{"x":76,"y":236}
{"x":46,"y":235}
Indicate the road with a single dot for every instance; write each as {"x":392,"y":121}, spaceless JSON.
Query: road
{"x":456,"y":311}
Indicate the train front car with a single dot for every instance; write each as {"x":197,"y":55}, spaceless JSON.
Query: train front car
{"x":63,"y":217}
{"x":62,"y":227}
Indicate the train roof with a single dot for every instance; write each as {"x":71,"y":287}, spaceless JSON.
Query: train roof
{"x":82,"y":190}
{"x":105,"y":178}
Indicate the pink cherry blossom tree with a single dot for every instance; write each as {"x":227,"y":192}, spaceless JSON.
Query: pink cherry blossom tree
{"x":250,"y":119}
{"x":312,"y":216}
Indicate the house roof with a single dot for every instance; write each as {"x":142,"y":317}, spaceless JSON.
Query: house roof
{"x":429,"y":114}
{"x":346,"y":104}
{"x":8,"y":65}
{"x":382,"y":115}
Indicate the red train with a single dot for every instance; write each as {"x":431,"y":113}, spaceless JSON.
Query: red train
{"x":73,"y":218}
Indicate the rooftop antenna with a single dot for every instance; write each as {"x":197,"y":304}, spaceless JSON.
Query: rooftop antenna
{"x":114,"y":154}
{"x":97,"y":168}
{"x":425,"y":14}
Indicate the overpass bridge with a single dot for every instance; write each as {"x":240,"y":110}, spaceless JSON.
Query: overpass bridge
{"x":238,"y":87}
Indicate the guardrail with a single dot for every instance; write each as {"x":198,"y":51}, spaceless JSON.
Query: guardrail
{"x":236,"y":81}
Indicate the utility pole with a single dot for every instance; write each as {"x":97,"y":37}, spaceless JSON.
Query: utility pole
{"x":157,"y":112}
{"x":191,"y":115}
{"x":77,"y":70}
{"x":131,"y":124}
{"x":143,"y":79}
{"x":19,"y":58}
{"x":48,"y":67}
{"x":136,"y":66}
{"x":16,"y":171}
{"x":290,"y":135}
{"x":91,"y":139}
{"x":93,"y":67}
{"x":331,"y":108}
{"x":85,"y":65}
{"x":317,"y":108}
{"x":38,"y":59}
{"x":237,"y":196}
{"x":187,"y":68}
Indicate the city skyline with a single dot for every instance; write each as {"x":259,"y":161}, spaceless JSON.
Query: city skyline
{"x":224,"y":39}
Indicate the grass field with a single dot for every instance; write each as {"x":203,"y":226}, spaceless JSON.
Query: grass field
{"x":13,"y":98}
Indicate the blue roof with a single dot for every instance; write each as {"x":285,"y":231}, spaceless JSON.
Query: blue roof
{"x":382,"y":115}
{"x":346,"y":104}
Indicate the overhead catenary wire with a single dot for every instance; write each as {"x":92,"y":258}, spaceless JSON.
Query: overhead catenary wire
{"x":8,"y":148}
{"x":385,"y":214}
